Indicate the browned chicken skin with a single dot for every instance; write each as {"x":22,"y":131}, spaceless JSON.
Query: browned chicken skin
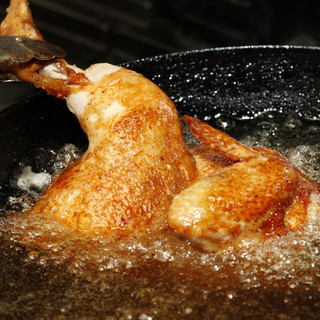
{"x":137,"y":160}
{"x":258,"y":195}
{"x":138,"y":173}
{"x":19,"y":21}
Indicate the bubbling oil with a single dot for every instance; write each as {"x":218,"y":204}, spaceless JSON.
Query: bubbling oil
{"x":52,"y":273}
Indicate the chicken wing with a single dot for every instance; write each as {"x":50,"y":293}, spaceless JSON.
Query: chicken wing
{"x":258,"y":195}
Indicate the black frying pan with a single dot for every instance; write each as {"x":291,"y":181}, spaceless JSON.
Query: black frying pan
{"x":239,"y":81}
{"x":242,"y":82}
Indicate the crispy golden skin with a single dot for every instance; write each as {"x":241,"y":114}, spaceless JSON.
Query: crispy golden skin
{"x":136,"y":162}
{"x":137,"y":159}
{"x":258,"y":195}
{"x":207,"y":160}
{"x":19,"y":21}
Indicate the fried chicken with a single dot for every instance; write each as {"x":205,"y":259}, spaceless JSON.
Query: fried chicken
{"x":258,"y":195}
{"x":138,"y":173}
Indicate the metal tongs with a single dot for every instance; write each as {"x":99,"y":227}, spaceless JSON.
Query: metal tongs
{"x":16,"y":49}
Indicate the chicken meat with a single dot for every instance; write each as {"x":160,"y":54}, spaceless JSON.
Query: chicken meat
{"x":138,"y":174}
{"x":254,"y":194}
{"x":137,"y":159}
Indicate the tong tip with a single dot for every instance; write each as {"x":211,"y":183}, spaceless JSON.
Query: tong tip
{"x":18,"y":49}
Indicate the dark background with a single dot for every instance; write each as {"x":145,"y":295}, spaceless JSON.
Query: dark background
{"x":118,"y":31}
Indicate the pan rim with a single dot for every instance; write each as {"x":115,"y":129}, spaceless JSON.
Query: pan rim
{"x":223,"y":48}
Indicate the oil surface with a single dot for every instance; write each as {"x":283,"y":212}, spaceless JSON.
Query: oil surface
{"x":50,"y":273}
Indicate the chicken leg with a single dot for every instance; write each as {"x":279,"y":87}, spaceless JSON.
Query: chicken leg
{"x":137,"y":159}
